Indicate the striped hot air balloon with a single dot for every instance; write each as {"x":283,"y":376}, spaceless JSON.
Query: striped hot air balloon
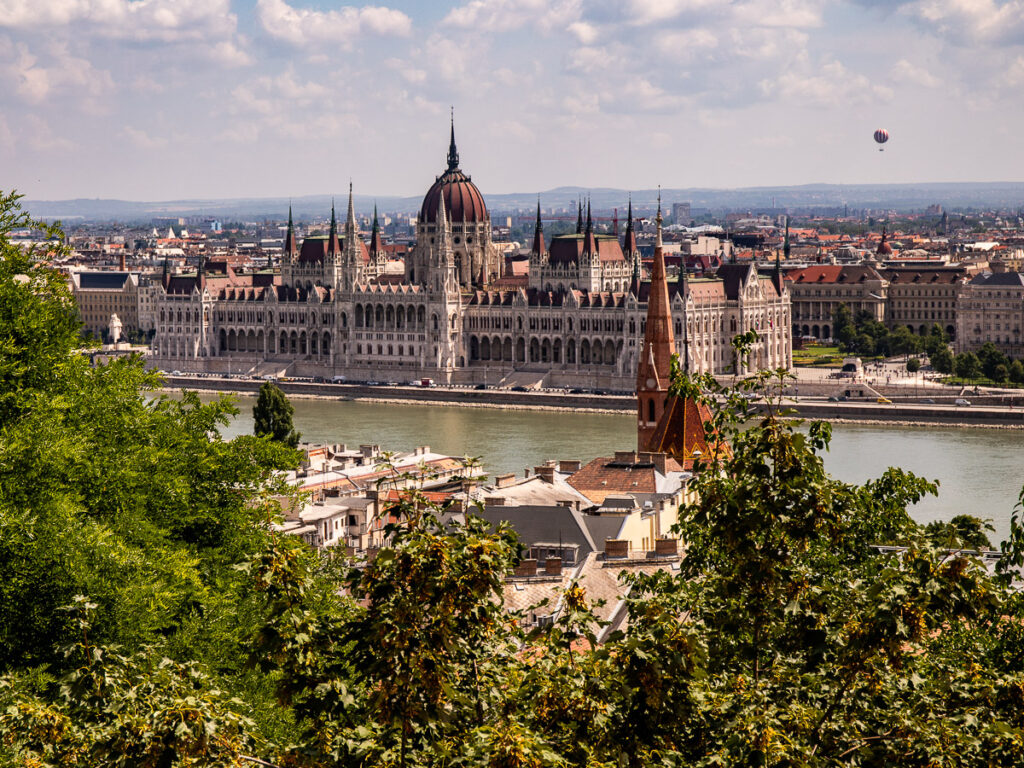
{"x":881,"y":136}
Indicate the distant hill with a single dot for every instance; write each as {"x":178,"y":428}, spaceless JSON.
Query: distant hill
{"x":807,"y":196}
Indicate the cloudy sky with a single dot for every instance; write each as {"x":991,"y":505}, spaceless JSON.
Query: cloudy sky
{"x":161,"y":99}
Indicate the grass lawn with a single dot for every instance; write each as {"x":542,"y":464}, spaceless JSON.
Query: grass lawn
{"x":818,"y":356}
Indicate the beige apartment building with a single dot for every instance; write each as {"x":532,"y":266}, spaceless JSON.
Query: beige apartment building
{"x":921,"y":298}
{"x":991,"y":308}
{"x":816,"y":292}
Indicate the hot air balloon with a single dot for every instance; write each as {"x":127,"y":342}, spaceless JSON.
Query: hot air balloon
{"x":881,"y":136}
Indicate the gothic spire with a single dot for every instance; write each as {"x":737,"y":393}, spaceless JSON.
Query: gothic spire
{"x":579,"y":217}
{"x":453,"y":153}
{"x":538,"y":233}
{"x":376,"y":241}
{"x":629,"y":242}
{"x":332,"y":237}
{"x":290,"y":245}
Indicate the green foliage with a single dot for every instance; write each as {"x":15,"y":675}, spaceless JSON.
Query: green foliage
{"x":122,"y":711}
{"x":942,"y":359}
{"x":967,"y":366}
{"x":411,"y":672}
{"x":913,"y":365}
{"x":960,"y":532}
{"x":273,"y":416}
{"x":111,"y":490}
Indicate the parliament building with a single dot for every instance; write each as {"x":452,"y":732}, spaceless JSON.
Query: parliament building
{"x":334,"y":310}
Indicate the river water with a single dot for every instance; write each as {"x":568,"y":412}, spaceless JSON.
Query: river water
{"x":978,"y":469}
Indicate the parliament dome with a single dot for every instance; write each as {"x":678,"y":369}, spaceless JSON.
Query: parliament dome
{"x":462,"y":199}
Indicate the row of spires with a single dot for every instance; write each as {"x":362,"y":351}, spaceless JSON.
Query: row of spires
{"x":333,"y":244}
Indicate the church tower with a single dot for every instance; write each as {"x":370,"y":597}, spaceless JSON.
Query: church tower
{"x":654,"y":371}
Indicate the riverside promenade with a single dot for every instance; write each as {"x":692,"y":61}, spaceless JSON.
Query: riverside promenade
{"x":806,"y":398}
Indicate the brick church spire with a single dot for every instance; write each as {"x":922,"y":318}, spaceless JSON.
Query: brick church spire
{"x":654,"y":371}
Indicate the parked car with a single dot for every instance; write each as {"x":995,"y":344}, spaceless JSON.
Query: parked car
{"x":927,"y":401}
{"x":520,"y":388}
{"x":885,"y":400}
{"x":480,"y":386}
{"x":962,"y":401}
{"x":337,"y":380}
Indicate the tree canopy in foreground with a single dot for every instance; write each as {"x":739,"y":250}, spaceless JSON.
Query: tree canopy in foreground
{"x":149,"y":617}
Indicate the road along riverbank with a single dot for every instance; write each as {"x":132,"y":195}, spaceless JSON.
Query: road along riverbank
{"x":902,"y":413}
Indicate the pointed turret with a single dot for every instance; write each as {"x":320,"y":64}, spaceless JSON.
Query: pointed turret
{"x":165,"y":278}
{"x":201,"y":274}
{"x":353,"y":256}
{"x":291,"y":246}
{"x":376,"y":241}
{"x":453,"y":153}
{"x":589,"y":243}
{"x":777,"y":272}
{"x":629,"y":243}
{"x":332,"y":239}
{"x":579,"y":218}
{"x":654,"y":371}
{"x":538,"y":234}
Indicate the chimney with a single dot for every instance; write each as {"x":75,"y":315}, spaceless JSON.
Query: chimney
{"x":547,"y":474}
{"x":666,"y":547}
{"x":526,"y":567}
{"x":120,"y":262}
{"x":625,"y":457}
{"x":570,"y":466}
{"x":553,"y":566}
{"x":494,"y":501}
{"x":660,"y":462}
{"x":504,"y":481}
{"x":616,"y":548}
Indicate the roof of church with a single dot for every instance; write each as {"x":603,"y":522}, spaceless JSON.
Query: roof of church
{"x":680,"y":432}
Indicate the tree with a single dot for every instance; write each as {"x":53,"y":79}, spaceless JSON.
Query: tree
{"x":967,"y":366}
{"x":942,"y":359}
{"x":128,"y":498}
{"x":913,"y":365}
{"x":273,"y":415}
{"x":1016,"y":372}
{"x":842,"y":322}
{"x":991,"y":358}
{"x":961,"y":531}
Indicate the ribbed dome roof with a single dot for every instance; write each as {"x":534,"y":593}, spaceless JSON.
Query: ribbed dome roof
{"x":462,"y":200}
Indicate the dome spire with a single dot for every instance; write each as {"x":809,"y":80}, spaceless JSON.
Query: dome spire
{"x":453,"y":153}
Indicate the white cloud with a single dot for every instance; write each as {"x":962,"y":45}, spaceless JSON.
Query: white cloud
{"x":58,"y":72}
{"x":142,"y":139}
{"x":904,"y":71}
{"x":644,"y":12}
{"x":685,"y":43}
{"x":164,"y":20}
{"x":585,"y":32}
{"x":300,"y":26}
{"x":787,"y":14}
{"x":966,"y":22}
{"x":506,"y":15}
{"x":830,"y":86}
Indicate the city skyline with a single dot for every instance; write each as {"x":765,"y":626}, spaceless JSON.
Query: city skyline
{"x":157,"y":100}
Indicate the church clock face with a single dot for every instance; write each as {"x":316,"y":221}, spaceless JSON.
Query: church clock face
{"x":650,"y":383}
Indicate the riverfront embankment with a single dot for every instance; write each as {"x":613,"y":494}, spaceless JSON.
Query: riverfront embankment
{"x":984,"y":411}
